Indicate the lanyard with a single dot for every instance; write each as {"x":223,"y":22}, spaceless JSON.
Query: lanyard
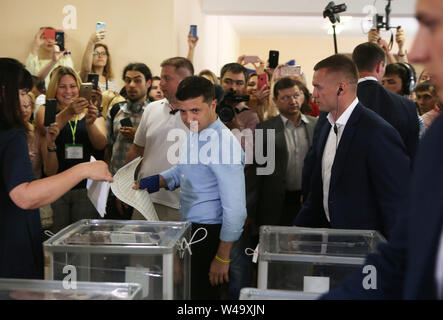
{"x":73,"y":130}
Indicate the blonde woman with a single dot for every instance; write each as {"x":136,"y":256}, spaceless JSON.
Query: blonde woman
{"x":45,"y":56}
{"x":82,"y":133}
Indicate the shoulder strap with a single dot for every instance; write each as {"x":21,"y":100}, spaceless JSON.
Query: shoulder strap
{"x":113,"y":112}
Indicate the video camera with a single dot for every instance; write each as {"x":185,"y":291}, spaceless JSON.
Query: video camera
{"x":225,"y":103}
{"x":331,"y":11}
{"x":378,"y":20}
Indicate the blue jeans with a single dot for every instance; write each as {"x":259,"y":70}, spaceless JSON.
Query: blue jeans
{"x":240,"y":267}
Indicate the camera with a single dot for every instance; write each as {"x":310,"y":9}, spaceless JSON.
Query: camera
{"x":378,"y":22}
{"x":331,"y":11}
{"x":225,"y":109}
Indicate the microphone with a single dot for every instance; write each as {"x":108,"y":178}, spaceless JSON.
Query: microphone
{"x":335,"y":129}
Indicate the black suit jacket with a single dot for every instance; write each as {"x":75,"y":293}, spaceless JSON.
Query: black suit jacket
{"x":369,"y":177}
{"x":406,"y":264}
{"x":265,"y":193}
{"x":398,"y":111}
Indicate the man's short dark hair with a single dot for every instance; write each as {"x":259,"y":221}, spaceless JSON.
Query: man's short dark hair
{"x":284,"y":83}
{"x":234,"y":68}
{"x":194,"y":87}
{"x":140,"y":67}
{"x":367,"y":55}
{"x":341,"y":64}
{"x":181,"y":65}
{"x":426,"y":86}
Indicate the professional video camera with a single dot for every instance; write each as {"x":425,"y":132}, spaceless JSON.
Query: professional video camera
{"x":225,"y":103}
{"x":378,"y":20}
{"x":331,"y":11}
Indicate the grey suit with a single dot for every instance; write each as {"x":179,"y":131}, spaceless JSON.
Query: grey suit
{"x":266,"y":193}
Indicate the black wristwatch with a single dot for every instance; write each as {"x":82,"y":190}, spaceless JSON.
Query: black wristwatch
{"x":52,"y":149}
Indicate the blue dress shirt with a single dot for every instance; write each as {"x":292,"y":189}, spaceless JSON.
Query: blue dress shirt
{"x":210,"y":174}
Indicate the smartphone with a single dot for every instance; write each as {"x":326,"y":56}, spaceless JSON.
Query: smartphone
{"x":193,"y":31}
{"x":86,"y":90}
{"x":49,"y":34}
{"x":93,"y":78}
{"x":262,"y":81}
{"x":60,"y":39}
{"x":100,"y":26}
{"x":273,"y":59}
{"x":288,"y":71}
{"x":50,"y":111}
{"x":251,"y":59}
{"x":126,"y":122}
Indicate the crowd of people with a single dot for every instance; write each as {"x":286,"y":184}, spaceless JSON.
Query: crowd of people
{"x":349,"y":155}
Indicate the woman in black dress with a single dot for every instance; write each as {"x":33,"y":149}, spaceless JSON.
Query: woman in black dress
{"x":21,"y":253}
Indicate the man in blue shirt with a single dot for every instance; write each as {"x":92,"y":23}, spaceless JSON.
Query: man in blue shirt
{"x":211,"y":177}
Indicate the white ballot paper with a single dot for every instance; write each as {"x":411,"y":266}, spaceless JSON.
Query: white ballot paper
{"x":139,"y":199}
{"x":98,"y":193}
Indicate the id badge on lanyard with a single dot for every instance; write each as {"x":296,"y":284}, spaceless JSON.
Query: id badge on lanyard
{"x":73,"y":151}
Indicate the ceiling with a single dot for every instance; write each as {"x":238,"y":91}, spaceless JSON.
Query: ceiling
{"x":299,"y":19}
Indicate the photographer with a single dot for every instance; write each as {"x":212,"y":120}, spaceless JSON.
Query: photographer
{"x":233,"y":80}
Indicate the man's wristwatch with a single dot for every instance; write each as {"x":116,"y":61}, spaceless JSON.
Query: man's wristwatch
{"x":52,"y":149}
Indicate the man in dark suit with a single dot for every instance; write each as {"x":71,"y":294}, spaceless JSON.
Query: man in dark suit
{"x":400,"y":112}
{"x":274,"y":199}
{"x":360,"y":178}
{"x":410,"y":265}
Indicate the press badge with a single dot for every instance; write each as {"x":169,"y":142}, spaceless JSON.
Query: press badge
{"x":73,"y":151}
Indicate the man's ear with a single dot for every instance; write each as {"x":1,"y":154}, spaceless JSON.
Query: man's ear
{"x":379,"y":67}
{"x":148,"y":83}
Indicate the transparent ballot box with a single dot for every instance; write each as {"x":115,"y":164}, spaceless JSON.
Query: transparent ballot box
{"x":153,"y":254}
{"x":311,"y":260}
{"x":21,"y":289}
{"x":268,"y":294}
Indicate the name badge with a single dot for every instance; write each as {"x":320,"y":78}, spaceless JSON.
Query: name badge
{"x":73,"y":151}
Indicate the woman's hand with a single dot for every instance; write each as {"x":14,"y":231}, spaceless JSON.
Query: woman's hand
{"x":97,"y":170}
{"x":52,"y":134}
{"x":92,"y":114}
{"x":97,"y":36}
{"x":39,"y":39}
{"x":78,"y":105}
{"x":262,"y":94}
{"x":96,"y":97}
{"x":56,"y":53}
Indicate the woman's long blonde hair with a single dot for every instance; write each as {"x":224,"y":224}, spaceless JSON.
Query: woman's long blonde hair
{"x":56,"y":75}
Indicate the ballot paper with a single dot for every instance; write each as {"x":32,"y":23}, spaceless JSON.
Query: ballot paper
{"x":98,"y":193}
{"x":139,"y":199}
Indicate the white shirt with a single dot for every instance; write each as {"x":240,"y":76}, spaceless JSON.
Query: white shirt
{"x":152,"y":134}
{"x":297,"y":144}
{"x":330,"y":150}
{"x":439,"y":268}
{"x":367,"y":78}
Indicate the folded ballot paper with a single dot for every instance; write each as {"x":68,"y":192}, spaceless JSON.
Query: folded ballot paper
{"x":138,"y":199}
{"x":98,"y":193}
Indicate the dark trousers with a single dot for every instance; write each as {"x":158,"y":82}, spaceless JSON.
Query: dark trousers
{"x":291,"y":207}
{"x":203,"y":253}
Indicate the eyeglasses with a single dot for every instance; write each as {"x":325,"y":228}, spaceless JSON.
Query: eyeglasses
{"x":101,"y":54}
